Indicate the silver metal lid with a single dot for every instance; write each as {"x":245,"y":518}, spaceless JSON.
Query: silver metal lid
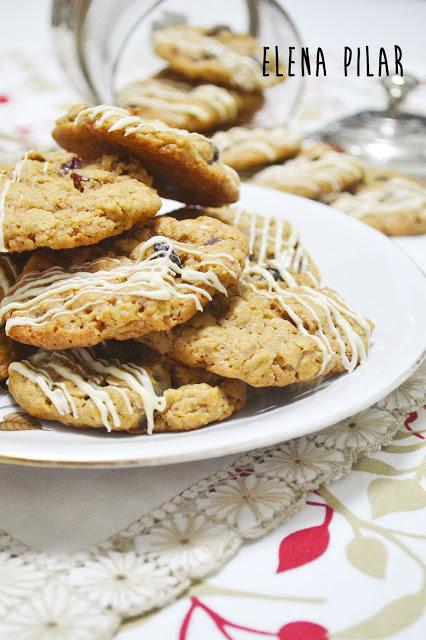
{"x":390,"y":137}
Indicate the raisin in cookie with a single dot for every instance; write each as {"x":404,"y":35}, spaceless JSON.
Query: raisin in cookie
{"x":266,"y":333}
{"x":82,"y":390}
{"x":214,"y":55}
{"x":185,"y":166}
{"x":151,"y":278}
{"x":314,"y":173}
{"x":394,"y":206}
{"x":60,"y":201}
{"x":245,"y":149}
{"x":195,"y":107}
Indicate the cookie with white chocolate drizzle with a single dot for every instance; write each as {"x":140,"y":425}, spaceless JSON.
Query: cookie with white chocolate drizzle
{"x":214,"y":55}
{"x":395,"y":206}
{"x":151,"y":278}
{"x":314,"y":173}
{"x":60,"y":201}
{"x":185,"y":166}
{"x":246,"y":149}
{"x":81,"y":389}
{"x":277,"y":331}
{"x":196,"y":107}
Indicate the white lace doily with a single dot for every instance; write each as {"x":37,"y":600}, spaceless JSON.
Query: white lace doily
{"x":86,"y":595}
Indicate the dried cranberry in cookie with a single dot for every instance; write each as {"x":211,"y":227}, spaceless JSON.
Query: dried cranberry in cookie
{"x":60,"y":201}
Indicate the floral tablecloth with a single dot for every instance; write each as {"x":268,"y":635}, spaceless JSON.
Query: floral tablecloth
{"x":300,"y":560}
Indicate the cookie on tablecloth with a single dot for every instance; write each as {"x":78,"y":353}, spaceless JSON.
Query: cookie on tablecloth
{"x":214,"y":55}
{"x":195,"y":107}
{"x":80,"y":389}
{"x":316,"y":172}
{"x":395,"y":206}
{"x":60,"y":201}
{"x":185,"y":166}
{"x":150,"y":278}
{"x":268,"y":332}
{"x":245,"y":149}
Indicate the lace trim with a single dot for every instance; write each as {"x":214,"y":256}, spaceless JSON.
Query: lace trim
{"x":151,"y":562}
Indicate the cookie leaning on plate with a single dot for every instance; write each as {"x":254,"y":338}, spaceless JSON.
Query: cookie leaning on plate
{"x":82,"y":390}
{"x":196,"y":107}
{"x":316,"y":172}
{"x":185,"y":166}
{"x":267,"y":333}
{"x":60,"y":201}
{"x":214,"y":55}
{"x":394,"y":206}
{"x":245,"y":149}
{"x":150,"y":278}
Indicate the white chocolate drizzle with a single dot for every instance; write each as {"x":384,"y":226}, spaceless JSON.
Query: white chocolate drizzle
{"x":120,"y":120}
{"x":157,"y":276}
{"x":200,"y":102}
{"x":268,"y":234}
{"x":334,"y":323}
{"x":331,"y":170}
{"x":266,"y":142}
{"x":16,"y":176}
{"x":56,"y":372}
{"x":396,"y":196}
{"x":244,"y":71}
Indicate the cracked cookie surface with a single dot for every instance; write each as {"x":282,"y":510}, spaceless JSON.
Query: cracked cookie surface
{"x":60,"y":201}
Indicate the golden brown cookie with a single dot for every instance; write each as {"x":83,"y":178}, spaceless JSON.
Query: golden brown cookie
{"x":60,"y":201}
{"x":185,"y":166}
{"x":219,"y":56}
{"x":82,"y":390}
{"x":314,"y":173}
{"x":196,"y":107}
{"x":268,"y":334}
{"x":151,"y":278}
{"x":395,"y":206}
{"x":246,"y":149}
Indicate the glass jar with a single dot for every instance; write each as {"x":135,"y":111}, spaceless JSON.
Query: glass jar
{"x":104,"y":44}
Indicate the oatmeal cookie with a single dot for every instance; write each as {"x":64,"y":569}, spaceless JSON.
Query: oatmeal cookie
{"x":246,"y":149}
{"x":82,"y":390}
{"x":60,"y":201}
{"x":185,"y":166}
{"x":266,"y":333}
{"x":314,"y":173}
{"x":216,"y":55}
{"x":196,"y":107}
{"x":150,"y":278}
{"x":393,"y":205}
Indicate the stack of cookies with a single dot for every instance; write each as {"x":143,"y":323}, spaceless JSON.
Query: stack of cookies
{"x":214,"y":84}
{"x":117,"y":318}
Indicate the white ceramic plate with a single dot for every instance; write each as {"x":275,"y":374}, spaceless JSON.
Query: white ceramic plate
{"x":367,"y":268}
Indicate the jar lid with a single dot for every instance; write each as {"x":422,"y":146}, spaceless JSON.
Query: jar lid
{"x":389,"y":137}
